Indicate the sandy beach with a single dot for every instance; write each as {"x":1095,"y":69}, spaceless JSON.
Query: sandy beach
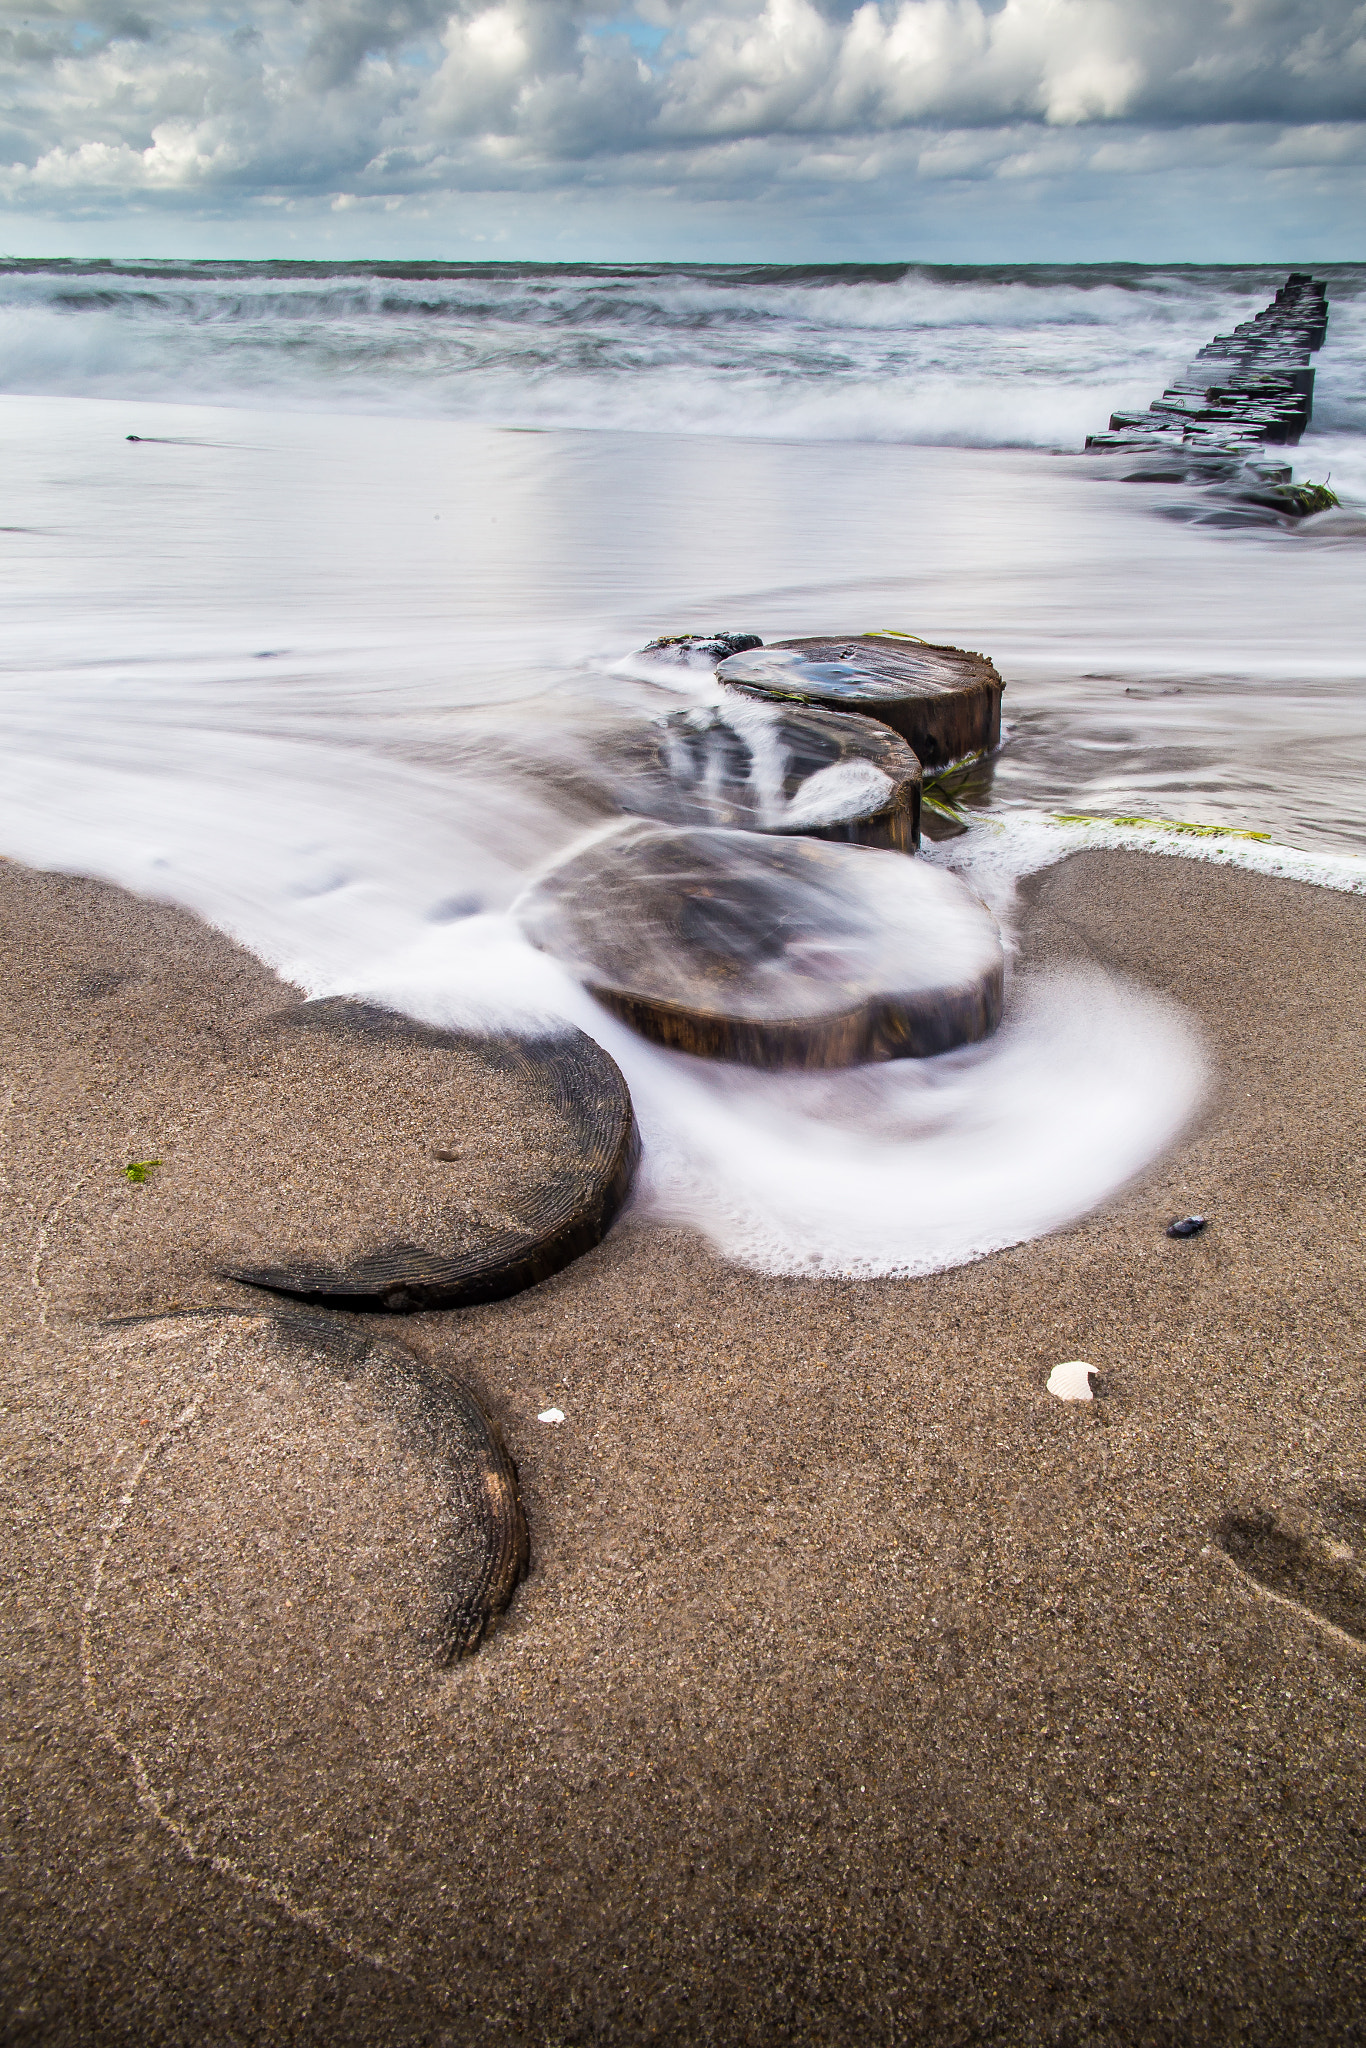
{"x":860,"y":1690}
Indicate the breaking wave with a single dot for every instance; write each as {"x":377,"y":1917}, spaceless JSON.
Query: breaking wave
{"x":1033,"y":356}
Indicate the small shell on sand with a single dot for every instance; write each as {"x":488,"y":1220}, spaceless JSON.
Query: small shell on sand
{"x":551,"y":1415}
{"x":1071,"y":1381}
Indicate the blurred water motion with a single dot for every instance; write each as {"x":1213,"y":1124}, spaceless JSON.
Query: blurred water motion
{"x":342,"y":685}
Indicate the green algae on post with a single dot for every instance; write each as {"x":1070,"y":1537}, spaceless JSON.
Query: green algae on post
{"x":1306,"y":499}
{"x":944,"y":798}
{"x":941,"y":792}
{"x":1160,"y":825}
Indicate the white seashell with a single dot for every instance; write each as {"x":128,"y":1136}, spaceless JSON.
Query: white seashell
{"x":1071,"y":1381}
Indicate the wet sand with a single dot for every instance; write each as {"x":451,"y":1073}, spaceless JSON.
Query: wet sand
{"x":860,"y":1690}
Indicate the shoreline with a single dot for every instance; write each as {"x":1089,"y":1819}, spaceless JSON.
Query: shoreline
{"x":1256,"y":853}
{"x":860,"y":1690}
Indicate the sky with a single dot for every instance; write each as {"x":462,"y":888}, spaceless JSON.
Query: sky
{"x":723,"y":130}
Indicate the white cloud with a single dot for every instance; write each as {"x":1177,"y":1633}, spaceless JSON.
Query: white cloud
{"x":375,"y":100}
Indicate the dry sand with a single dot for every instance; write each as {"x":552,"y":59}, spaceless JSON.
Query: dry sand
{"x":860,"y":1691}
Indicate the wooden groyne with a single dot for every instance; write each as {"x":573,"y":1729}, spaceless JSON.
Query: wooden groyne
{"x":1245,"y":391}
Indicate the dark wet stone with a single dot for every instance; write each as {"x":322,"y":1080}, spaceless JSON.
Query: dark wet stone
{"x":700,"y":650}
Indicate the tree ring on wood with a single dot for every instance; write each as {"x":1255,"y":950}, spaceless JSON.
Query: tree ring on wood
{"x":488,"y":1550}
{"x":330,"y":1510}
{"x":775,"y":952}
{"x":945,"y":703}
{"x":756,"y":767}
{"x":434,"y":1168}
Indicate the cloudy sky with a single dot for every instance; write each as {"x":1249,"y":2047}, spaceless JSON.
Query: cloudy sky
{"x":732,"y":129}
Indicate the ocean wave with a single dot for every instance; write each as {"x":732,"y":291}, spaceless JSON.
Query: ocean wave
{"x":1032,"y":357}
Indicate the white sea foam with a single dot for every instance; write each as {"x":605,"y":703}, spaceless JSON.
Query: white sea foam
{"x":920,"y":1164}
{"x":844,"y":789}
{"x":996,"y":854}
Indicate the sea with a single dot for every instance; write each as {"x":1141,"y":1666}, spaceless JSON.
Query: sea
{"x":324,"y":587}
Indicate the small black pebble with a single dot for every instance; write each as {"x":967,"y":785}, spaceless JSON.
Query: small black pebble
{"x":1189,"y":1226}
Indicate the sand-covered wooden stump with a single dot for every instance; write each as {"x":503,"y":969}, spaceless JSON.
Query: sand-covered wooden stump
{"x":756,"y":767}
{"x":427,"y":1429}
{"x":776,"y":952}
{"x":439,"y":1168}
{"x":945,"y":703}
{"x":322,"y":1520}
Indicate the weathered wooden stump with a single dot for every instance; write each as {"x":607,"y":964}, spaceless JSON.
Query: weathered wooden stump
{"x":1244,"y":391}
{"x":434,"y":1168}
{"x":336,"y":1506}
{"x":757,"y":767}
{"x":945,"y":703}
{"x":484,"y":1525}
{"x":776,"y":952}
